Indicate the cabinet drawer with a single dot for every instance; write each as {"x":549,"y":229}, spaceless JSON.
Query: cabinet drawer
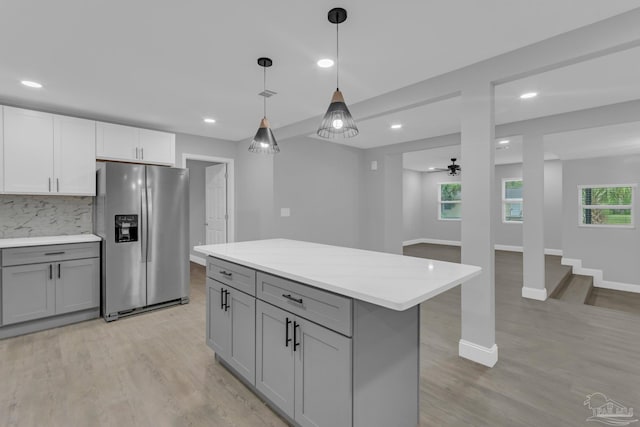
{"x":49,"y":253}
{"x":325,"y":308}
{"x":234,"y":275}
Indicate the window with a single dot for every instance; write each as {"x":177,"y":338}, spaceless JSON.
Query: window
{"x":512,"y":200}
{"x":606,"y":205}
{"x":449,"y":200}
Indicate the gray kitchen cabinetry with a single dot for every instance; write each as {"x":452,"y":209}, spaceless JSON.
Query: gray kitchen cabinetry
{"x":231,"y":327}
{"x":303,"y":368}
{"x":48,"y":286}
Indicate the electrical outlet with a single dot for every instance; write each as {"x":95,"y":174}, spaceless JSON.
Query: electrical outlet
{"x":285,"y":212}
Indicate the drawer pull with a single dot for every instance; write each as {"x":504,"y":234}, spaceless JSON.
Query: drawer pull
{"x":224,"y":273}
{"x":290,"y":298}
{"x":54,"y":253}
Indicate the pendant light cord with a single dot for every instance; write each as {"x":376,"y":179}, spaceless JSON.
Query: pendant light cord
{"x":337,"y":59}
{"x":264,"y":89}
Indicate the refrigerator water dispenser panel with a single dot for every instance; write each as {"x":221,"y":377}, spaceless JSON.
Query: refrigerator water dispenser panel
{"x":126,"y":228}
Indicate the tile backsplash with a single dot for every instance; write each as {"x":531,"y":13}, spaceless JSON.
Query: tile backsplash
{"x":26,"y":216}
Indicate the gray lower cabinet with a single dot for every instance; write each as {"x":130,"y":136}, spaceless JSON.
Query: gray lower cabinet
{"x":303,"y":368}
{"x":231,"y":328}
{"x":77,"y":285}
{"x":28,"y":293}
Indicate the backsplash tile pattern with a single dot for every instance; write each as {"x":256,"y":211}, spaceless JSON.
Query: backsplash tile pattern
{"x":30,"y":216}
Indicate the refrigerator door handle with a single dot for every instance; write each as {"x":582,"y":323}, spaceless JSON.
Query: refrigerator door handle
{"x":143,"y":230}
{"x":149,"y":239}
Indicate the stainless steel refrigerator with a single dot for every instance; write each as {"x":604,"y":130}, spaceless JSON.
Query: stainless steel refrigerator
{"x":142,"y":215}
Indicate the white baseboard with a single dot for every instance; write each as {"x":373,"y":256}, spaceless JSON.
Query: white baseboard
{"x":197,"y":260}
{"x":479,"y":354}
{"x":509,"y":248}
{"x":431,"y":241}
{"x":598,"y":281}
{"x":534,"y":293}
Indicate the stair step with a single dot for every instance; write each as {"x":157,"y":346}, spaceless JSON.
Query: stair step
{"x":556,"y":275}
{"x":577,"y":290}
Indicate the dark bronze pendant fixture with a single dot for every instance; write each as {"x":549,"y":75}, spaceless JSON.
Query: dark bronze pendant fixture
{"x":264,"y":142}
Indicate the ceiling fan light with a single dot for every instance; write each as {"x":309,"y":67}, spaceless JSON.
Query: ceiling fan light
{"x":338,"y":120}
{"x":264,"y":142}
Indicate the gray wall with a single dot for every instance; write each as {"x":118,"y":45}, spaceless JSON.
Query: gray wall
{"x":505,"y":233}
{"x":197,"y":203}
{"x":319,"y":182}
{"x":614,"y":251}
{"x":25,"y":216}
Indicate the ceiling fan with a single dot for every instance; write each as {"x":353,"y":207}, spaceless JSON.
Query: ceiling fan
{"x":453,"y":169}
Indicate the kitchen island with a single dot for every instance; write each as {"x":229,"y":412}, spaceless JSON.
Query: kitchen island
{"x":328,"y":336}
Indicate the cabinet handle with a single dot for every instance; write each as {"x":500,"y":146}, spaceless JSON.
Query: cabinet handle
{"x":58,"y":270}
{"x":54,"y":253}
{"x":222,"y":291}
{"x":136,"y":152}
{"x":224,"y":273}
{"x":226,"y":300}
{"x":142,"y":153}
{"x":290,"y":298}
{"x":287,"y":340}
{"x":50,"y":271}
{"x":58,"y":185}
{"x":49,"y":185}
{"x":296,"y":344}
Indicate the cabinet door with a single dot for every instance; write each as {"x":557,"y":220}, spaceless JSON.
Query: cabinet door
{"x":323,"y":377}
{"x":77,"y":285}
{"x":74,"y":164}
{"x":116,"y":142}
{"x":28,"y":151}
{"x":1,"y":150}
{"x":218,"y":323}
{"x":28,"y":292}
{"x":157,"y":147}
{"x":274,"y":356}
{"x":242,"y":349}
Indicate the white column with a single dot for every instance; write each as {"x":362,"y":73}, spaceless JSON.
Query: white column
{"x":533,"y":225}
{"x":478,"y":295}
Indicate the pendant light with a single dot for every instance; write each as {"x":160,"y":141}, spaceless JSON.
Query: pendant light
{"x":264,"y":142}
{"x":337,"y":121}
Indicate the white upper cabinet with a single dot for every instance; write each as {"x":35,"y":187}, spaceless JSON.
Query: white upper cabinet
{"x":1,"y":150}
{"x":74,"y":156}
{"x":157,"y":147}
{"x":48,"y":154}
{"x":117,"y":142}
{"x":28,"y":151}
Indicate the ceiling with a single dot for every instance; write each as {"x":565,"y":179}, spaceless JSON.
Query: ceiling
{"x":606,"y":141}
{"x":167,"y":65}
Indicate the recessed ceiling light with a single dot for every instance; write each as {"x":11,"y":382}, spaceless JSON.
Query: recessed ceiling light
{"x":528,"y":95}
{"x":29,"y":83}
{"x":432,"y":169}
{"x":325,"y":63}
{"x":504,"y":141}
{"x":396,"y":126}
{"x":209,"y":120}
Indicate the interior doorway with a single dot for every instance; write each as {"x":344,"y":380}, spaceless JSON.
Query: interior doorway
{"x":211,"y":210}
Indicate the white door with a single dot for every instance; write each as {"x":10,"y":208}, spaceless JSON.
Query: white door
{"x":74,"y":156}
{"x":216,"y":204}
{"x":28,"y":151}
{"x":157,"y":147}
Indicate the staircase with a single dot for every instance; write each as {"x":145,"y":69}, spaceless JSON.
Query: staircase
{"x":574,"y":289}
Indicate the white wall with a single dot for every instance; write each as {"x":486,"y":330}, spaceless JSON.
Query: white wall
{"x":505,"y":233}
{"x":411,"y":204}
{"x":614,"y":251}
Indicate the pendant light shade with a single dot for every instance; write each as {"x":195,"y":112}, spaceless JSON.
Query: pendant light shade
{"x":264,"y":142}
{"x":337,"y":122}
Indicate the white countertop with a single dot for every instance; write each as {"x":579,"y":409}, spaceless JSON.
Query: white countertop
{"x":48,"y":240}
{"x":393,"y":281}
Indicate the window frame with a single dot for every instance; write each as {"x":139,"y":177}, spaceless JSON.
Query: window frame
{"x":505,"y":201}
{"x":440,"y":201}
{"x":630,"y":206}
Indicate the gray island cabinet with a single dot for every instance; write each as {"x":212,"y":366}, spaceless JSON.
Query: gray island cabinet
{"x":327,"y":336}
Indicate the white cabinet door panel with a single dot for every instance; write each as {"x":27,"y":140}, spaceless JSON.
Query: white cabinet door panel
{"x":74,"y":156}
{"x":117,"y":142}
{"x":157,"y":147}
{"x":28,"y":151}
{"x":1,"y":150}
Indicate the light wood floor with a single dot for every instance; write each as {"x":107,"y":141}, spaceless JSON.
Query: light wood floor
{"x":155,"y":370}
